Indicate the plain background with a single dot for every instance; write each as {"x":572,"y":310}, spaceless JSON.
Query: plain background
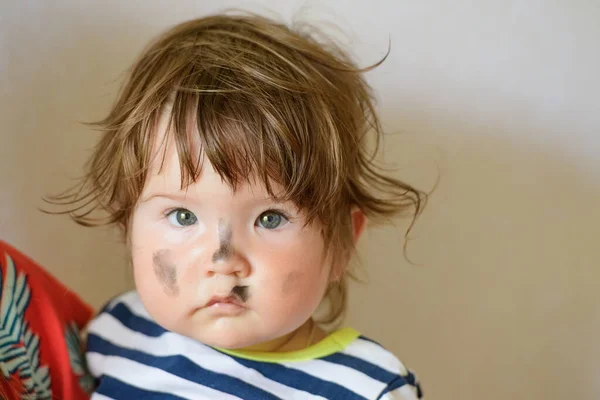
{"x":500,"y":99}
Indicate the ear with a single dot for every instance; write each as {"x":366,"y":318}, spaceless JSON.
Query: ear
{"x":359,"y":223}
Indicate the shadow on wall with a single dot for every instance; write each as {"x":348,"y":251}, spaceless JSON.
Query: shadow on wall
{"x":505,"y":302}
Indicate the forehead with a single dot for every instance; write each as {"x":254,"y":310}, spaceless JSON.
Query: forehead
{"x":164,"y":155}
{"x":165,"y":170}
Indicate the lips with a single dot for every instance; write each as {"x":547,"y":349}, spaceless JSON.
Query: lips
{"x":224,"y":300}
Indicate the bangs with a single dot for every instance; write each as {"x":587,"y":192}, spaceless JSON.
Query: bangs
{"x":259,"y":132}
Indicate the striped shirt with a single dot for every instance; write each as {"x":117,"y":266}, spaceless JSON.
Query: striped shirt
{"x":134,"y":358}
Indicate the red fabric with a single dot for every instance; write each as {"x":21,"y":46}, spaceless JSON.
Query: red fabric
{"x":53,"y":313}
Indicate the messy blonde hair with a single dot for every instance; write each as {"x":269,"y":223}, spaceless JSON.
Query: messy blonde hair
{"x":267,"y":101}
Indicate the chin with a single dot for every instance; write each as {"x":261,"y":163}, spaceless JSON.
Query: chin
{"x":230,"y":343}
{"x":229,"y":340}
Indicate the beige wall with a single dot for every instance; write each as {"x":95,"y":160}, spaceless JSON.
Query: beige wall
{"x":500,"y":97}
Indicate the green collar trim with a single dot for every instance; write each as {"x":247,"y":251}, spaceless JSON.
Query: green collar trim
{"x":333,"y":343}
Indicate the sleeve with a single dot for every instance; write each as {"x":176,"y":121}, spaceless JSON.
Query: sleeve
{"x":404,"y":387}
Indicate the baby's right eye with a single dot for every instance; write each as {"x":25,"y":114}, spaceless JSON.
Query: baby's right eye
{"x":182,"y":217}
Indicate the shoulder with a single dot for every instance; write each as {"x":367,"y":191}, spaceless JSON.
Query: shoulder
{"x":121,"y":327}
{"x":374,"y":359}
{"x":125,"y":310}
{"x":125,"y":317}
{"x":129,"y":299}
{"x":125,"y":346}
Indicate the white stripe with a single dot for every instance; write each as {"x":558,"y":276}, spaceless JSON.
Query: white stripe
{"x":406,"y":392}
{"x":342,"y":375}
{"x":111,"y":329}
{"x":97,"y":396}
{"x":375,"y":354}
{"x":133,"y":302}
{"x":154,"y":379}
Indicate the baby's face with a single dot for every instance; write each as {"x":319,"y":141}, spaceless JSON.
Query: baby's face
{"x":230,"y":269}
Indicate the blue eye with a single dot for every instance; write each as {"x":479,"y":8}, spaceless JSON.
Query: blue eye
{"x":182,"y":217}
{"x":272,"y":219}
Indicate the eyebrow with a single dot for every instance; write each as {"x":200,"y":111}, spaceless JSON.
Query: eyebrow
{"x":183,"y":197}
{"x":177,"y":197}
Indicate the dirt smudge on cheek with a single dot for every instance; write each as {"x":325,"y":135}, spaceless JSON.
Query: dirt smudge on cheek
{"x":166,"y":271}
{"x":291,"y":282}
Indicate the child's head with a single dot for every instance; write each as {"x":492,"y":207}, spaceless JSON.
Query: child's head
{"x":236,"y":160}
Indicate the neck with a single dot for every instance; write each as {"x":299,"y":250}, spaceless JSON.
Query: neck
{"x":305,"y":336}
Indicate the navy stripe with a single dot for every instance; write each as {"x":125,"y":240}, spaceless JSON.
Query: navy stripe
{"x":402,"y":381}
{"x":136,"y":323}
{"x":369,"y":340}
{"x":363,"y":366}
{"x":118,"y":390}
{"x":183,"y":368}
{"x":395,"y":384}
{"x":411,"y":378}
{"x":300,"y":380}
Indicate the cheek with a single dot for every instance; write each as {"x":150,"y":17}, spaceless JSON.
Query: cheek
{"x":165,"y":270}
{"x":149,"y":236}
{"x":294,"y":277}
{"x":144,"y":248}
{"x":156,"y":271}
{"x":291,"y":281}
{"x":292,"y":298}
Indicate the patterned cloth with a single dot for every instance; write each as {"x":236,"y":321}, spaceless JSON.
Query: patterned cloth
{"x":135,"y":358}
{"x":40,"y":348}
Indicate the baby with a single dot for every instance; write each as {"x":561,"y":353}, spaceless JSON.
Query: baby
{"x":236,"y":160}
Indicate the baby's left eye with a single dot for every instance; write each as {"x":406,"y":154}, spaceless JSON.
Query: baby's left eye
{"x":272,"y":220}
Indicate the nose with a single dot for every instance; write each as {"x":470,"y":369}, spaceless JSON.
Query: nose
{"x":226,"y":259}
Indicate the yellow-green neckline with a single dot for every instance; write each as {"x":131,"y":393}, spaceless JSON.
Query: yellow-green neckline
{"x":333,"y":343}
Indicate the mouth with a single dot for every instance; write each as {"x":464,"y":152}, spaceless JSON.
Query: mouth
{"x":224,"y":301}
